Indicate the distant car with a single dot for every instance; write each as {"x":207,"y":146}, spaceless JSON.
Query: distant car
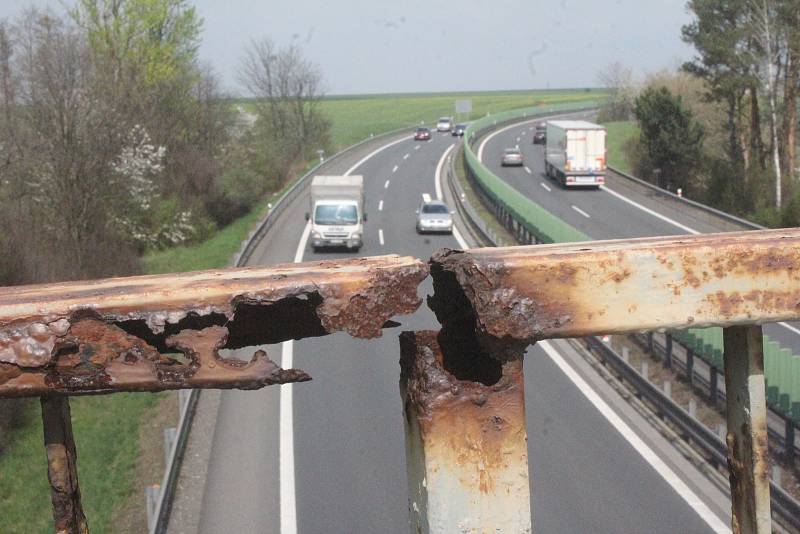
{"x":511,"y":156}
{"x":458,"y":130}
{"x":422,"y":134}
{"x":445,"y":124}
{"x":434,"y":216}
{"x":540,"y":135}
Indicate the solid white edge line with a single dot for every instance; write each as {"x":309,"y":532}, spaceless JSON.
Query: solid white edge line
{"x":437,"y":177}
{"x":288,"y":499}
{"x":576,"y":208}
{"x":649,"y":455}
{"x":288,"y":494}
{"x":380,"y":205}
{"x":437,"y":184}
{"x":501,"y":130}
{"x":678,"y":225}
{"x":651,"y":212}
{"x":380,"y":235}
{"x":547,"y":187}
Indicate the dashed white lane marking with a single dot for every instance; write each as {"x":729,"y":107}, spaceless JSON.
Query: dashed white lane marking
{"x":386,"y":185}
{"x":547,"y":187}
{"x":380,"y":235}
{"x":426,"y":197}
{"x":380,"y":205}
{"x":416,"y":147}
{"x":395,"y":168}
{"x":368,"y":156}
{"x":406,"y":156}
{"x":517,"y":140}
{"x":576,"y":208}
{"x":288,"y":496}
{"x":649,"y":455}
{"x":528,"y":170}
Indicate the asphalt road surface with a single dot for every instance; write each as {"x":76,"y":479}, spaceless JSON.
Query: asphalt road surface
{"x":607,"y":213}
{"x":333,"y":461}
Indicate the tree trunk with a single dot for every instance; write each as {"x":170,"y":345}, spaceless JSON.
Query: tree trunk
{"x":789,"y":126}
{"x":756,"y":142}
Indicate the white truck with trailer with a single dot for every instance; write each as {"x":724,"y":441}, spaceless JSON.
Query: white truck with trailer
{"x":337,"y":212}
{"x":575,"y":153}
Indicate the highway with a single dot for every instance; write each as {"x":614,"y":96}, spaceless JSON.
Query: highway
{"x":328,"y":456}
{"x":612,"y":212}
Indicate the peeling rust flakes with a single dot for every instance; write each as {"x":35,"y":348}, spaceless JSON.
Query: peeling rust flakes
{"x":98,"y":358}
{"x":116,"y":335}
{"x":472,"y":426}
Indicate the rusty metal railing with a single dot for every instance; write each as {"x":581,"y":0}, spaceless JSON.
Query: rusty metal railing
{"x":462,"y":386}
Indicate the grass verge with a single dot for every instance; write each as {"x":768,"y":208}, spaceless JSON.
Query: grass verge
{"x":107,"y":460}
{"x":619,"y":133}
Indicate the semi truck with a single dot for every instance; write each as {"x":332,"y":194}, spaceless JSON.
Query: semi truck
{"x":575,"y":153}
{"x":337,"y":212}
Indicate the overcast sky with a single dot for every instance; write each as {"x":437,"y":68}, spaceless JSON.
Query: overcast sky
{"x":381,"y":46}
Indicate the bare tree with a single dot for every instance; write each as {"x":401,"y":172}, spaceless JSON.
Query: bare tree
{"x":621,"y":84}
{"x":288,"y":89}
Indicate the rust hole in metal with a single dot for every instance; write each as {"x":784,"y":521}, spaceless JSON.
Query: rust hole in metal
{"x":468,"y":352}
{"x":251,"y":325}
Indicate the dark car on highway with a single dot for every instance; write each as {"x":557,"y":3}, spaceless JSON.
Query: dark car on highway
{"x":458,"y":131}
{"x":540,"y":135}
{"x":422,"y":134}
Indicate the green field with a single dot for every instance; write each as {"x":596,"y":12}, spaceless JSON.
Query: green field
{"x":107,"y":427}
{"x":618,"y":134}
{"x":355,"y":118}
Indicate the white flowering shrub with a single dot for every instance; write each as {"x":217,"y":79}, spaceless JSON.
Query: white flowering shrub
{"x":151,"y":220}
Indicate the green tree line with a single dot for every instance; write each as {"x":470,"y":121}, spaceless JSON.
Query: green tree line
{"x":116,"y":139}
{"x":724,"y":127}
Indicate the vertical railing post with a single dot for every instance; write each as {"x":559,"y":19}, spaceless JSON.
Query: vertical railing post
{"x":748,"y":458}
{"x":62,"y":468}
{"x":690,"y":366}
{"x":466,"y":445}
{"x":713,"y":388}
{"x":789,"y":441}
{"x":668,"y":351}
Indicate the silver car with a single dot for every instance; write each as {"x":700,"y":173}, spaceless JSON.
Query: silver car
{"x":434,"y":216}
{"x":511,"y":156}
{"x":445,"y":124}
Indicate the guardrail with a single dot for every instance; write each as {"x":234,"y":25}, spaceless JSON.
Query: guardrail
{"x":738,"y":221}
{"x":162,"y":505}
{"x":533,"y":224}
{"x":783,"y":504}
